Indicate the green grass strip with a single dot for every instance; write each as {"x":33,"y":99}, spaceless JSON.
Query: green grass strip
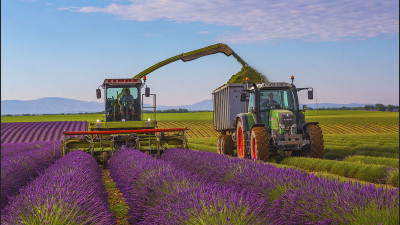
{"x":202,"y":147}
{"x":364,"y":172}
{"x":394,"y":163}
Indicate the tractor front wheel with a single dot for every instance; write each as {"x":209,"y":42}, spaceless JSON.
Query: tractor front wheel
{"x":259,"y":143}
{"x":316,"y":150}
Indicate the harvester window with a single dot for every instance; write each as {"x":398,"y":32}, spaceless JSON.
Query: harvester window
{"x":117,"y":100}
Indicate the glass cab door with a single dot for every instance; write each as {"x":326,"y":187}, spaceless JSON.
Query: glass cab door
{"x":123,"y":102}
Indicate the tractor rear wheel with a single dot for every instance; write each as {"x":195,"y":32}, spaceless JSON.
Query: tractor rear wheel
{"x":240,"y":139}
{"x":316,"y":150}
{"x":259,"y":143}
{"x":105,"y":159}
{"x":226,"y":145}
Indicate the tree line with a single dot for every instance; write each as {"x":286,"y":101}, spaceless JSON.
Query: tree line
{"x":376,"y":107}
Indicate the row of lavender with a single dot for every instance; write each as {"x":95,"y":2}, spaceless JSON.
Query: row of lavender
{"x":38,"y":131}
{"x":68,"y":192}
{"x":22,"y":162}
{"x":292,"y":196}
{"x":157,"y":192}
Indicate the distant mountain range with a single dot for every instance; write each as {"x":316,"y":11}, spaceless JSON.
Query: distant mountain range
{"x":52,"y":105}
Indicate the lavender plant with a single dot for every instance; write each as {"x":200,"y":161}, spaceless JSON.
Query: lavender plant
{"x":68,"y":192}
{"x":159,"y":193}
{"x":292,"y":196}
{"x":22,"y":162}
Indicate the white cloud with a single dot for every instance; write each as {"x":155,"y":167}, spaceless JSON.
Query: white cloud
{"x":203,"y":32}
{"x":264,"y":20}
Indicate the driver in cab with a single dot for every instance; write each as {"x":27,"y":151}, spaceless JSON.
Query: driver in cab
{"x":126,"y":103}
{"x":270,"y":102}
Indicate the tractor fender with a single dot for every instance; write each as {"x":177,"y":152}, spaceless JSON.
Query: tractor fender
{"x":243,"y":117}
{"x":258,"y":125}
{"x":266,"y":127}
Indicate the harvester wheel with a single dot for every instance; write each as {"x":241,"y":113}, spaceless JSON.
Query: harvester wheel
{"x":219,"y":143}
{"x":316,"y":149}
{"x":105,"y":159}
{"x":226,"y":145}
{"x":259,"y":143}
{"x":240,"y":139}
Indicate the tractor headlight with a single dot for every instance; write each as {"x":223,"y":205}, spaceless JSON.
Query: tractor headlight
{"x":98,"y":120}
{"x":148,"y":119}
{"x":282,"y":126}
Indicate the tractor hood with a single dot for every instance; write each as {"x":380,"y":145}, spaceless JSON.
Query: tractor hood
{"x":282,"y":120}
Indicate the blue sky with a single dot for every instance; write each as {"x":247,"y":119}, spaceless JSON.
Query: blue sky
{"x":348,"y":50}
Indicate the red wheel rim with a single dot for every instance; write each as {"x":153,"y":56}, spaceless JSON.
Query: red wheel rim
{"x":254,"y":149}
{"x":240,"y":142}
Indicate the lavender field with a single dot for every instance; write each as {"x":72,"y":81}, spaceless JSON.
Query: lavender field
{"x":184,"y":186}
{"x":22,"y":162}
{"x":68,"y":192}
{"x":38,"y":131}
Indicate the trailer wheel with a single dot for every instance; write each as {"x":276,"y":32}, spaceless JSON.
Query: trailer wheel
{"x":227,"y":145}
{"x":316,"y":150}
{"x":240,"y":139}
{"x":259,"y":143}
{"x":105,"y":159}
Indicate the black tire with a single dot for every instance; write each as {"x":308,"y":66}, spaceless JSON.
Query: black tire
{"x":259,"y":143}
{"x":316,"y":150}
{"x":105,"y":160}
{"x":227,"y":145}
{"x":240,"y":140}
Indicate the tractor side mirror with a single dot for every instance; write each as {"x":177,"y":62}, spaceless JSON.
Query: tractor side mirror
{"x":243,"y":96}
{"x":310,"y":94}
{"x":98,"y":93}
{"x":147,"y":92}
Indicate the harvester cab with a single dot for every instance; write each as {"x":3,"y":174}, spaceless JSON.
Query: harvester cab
{"x":122,"y":99}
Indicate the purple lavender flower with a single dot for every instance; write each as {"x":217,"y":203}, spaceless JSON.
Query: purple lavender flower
{"x":68,"y":192}
{"x":159,"y":193}
{"x":22,"y":162}
{"x":292,"y":196}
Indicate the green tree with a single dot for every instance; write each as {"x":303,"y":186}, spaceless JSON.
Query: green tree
{"x":390,"y":108}
{"x":380,"y":107}
{"x":367,"y":107}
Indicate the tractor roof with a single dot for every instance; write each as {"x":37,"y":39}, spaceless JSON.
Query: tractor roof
{"x":273,"y":85}
{"x":122,"y":81}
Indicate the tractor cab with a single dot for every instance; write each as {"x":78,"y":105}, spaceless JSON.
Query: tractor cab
{"x":275,"y":99}
{"x":273,"y":104}
{"x":122,"y":99}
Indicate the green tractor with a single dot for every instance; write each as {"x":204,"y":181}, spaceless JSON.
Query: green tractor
{"x":261,"y":119}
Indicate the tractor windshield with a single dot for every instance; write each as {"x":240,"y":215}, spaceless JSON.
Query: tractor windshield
{"x":275,"y":99}
{"x":122,"y":103}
